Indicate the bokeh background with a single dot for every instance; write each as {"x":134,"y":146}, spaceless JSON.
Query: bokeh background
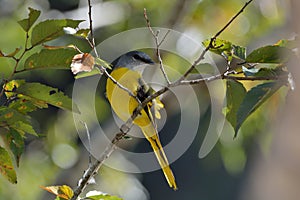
{"x":261,"y":163}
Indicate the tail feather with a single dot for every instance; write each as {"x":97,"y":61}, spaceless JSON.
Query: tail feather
{"x":160,"y":155}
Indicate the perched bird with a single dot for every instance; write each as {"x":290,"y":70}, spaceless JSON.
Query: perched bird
{"x":125,"y":72}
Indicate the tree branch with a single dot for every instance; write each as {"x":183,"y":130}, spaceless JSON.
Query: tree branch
{"x":107,"y":75}
{"x":211,"y":45}
{"x":125,"y":128}
{"x":92,"y":38}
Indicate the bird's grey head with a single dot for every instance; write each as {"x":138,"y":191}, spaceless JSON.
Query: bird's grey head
{"x":132,"y":59}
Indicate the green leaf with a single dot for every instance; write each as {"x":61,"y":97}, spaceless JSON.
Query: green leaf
{"x":269,"y":54}
{"x":235,"y":93}
{"x":51,"y":29}
{"x":83,"y":33}
{"x":291,"y":44}
{"x":27,"y":23}
{"x":253,"y":99}
{"x":219,"y":46}
{"x":16,"y":144}
{"x":271,"y":72}
{"x":11,"y":86}
{"x":10,"y":116}
{"x":23,"y":128}
{"x":239,"y":52}
{"x":226,"y":48}
{"x":265,"y":72}
{"x":23,"y":106}
{"x":95,"y":71}
{"x":60,"y":58}
{"x":42,"y":95}
{"x":6,"y":166}
{"x":9,"y":55}
{"x":103,"y":63}
{"x":103,"y":197}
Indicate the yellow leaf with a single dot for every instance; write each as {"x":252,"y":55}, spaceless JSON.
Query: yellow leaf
{"x":62,"y":191}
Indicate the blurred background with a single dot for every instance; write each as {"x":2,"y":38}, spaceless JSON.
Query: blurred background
{"x":261,"y":163}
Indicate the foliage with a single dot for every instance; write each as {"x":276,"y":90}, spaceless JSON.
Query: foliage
{"x":267,"y":65}
{"x":25,"y":97}
{"x":240,"y":102}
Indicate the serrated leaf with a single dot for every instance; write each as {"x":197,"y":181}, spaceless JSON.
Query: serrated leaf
{"x":102,"y":197}
{"x":253,"y":99}
{"x":27,"y":23}
{"x":51,"y":29}
{"x":41,"y":95}
{"x":60,"y":58}
{"x":61,"y":191}
{"x":23,"y":106}
{"x":23,"y":128}
{"x":16,"y":144}
{"x":10,"y":116}
{"x":6,"y":166}
{"x":10,"y":93}
{"x":269,"y":54}
{"x":235,"y":93}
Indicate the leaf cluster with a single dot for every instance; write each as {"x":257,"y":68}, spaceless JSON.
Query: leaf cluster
{"x":266,"y":65}
{"x":24,"y":97}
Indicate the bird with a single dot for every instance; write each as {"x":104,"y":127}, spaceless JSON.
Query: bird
{"x":125,"y":70}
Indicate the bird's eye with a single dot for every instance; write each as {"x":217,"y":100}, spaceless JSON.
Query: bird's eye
{"x":137,"y":57}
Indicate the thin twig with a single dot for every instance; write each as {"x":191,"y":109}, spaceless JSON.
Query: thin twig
{"x":92,"y":170}
{"x":92,"y":42}
{"x":232,"y":19}
{"x":104,"y":71}
{"x":17,"y":60}
{"x":127,"y":125}
{"x":210,"y":45}
{"x":93,"y":45}
{"x":89,"y":142}
{"x":157,"y":43}
{"x":165,"y":36}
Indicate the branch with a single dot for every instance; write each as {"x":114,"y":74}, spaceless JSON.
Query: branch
{"x":107,"y":75}
{"x":125,"y":128}
{"x":93,"y":169}
{"x":232,"y":19}
{"x":157,"y":43}
{"x":17,"y":60}
{"x":92,"y":39}
{"x":210,"y":45}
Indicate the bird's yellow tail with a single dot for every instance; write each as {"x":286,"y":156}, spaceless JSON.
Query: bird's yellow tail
{"x":151,"y":135}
